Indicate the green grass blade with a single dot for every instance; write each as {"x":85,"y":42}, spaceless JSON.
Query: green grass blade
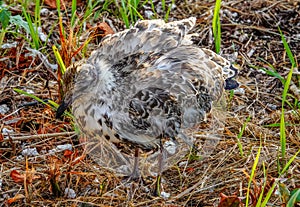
{"x":241,"y":134}
{"x":73,"y":14}
{"x":287,"y":49}
{"x":285,"y":168}
{"x":33,"y":31}
{"x":282,"y":133}
{"x":136,"y":14}
{"x":258,"y":203}
{"x":30,"y":95}
{"x":284,"y":95}
{"x":269,"y":194}
{"x":59,"y":60}
{"x":216,"y":26}
{"x":37,"y":15}
{"x":169,"y":10}
{"x":252,"y":175}
{"x":50,"y":103}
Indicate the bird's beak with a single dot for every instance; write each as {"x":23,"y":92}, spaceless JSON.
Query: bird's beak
{"x":230,"y":84}
{"x":61,"y":109}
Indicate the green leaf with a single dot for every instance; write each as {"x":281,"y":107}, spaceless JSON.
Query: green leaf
{"x":18,"y":21}
{"x":295,"y":198}
{"x":4,"y":17}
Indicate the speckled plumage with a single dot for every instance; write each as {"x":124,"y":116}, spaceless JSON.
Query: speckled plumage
{"x":146,"y":84}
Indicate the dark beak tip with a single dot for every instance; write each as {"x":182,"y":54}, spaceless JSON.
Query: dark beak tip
{"x":231,"y":84}
{"x":60,"y":110}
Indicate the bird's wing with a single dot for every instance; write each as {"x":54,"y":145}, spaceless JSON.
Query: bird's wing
{"x":174,"y":90}
{"x":145,"y":36}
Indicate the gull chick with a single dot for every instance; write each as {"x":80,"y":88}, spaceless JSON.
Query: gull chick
{"x":146,"y":85}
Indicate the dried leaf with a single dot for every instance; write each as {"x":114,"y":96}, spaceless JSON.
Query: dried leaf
{"x":101,"y":30}
{"x":229,"y":201}
{"x":52,"y":4}
{"x":105,"y":28}
{"x":17,"y":177}
{"x":14,"y":199}
{"x":68,"y":153}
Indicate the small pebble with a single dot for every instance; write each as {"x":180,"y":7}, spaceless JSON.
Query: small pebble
{"x":149,"y":14}
{"x":61,"y":148}
{"x":6,"y":131}
{"x":4,"y":109}
{"x":30,"y":152}
{"x":239,"y":91}
{"x":272,"y":106}
{"x":165,"y":195}
{"x":64,"y":147}
{"x":70,"y":193}
{"x":42,"y":36}
{"x":9,"y":45}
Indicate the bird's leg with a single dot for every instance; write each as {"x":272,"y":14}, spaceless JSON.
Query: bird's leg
{"x":157,"y":189}
{"x":135,"y":175}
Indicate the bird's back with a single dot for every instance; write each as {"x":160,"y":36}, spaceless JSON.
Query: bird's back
{"x":147,"y":84}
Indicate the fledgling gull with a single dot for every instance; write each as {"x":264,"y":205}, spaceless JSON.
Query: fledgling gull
{"x":145,"y":85}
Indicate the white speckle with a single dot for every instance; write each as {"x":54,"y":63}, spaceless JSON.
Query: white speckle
{"x":30,"y":152}
{"x":239,"y":91}
{"x":20,"y":158}
{"x":272,"y":106}
{"x":60,"y":148}
{"x":29,"y":91}
{"x":4,"y":109}
{"x":243,"y":37}
{"x":170,"y":147}
{"x":148,"y":14}
{"x":7,"y":131}
{"x":70,"y":193}
{"x":96,"y":180}
{"x":64,"y":147}
{"x":9,"y":45}
{"x":42,"y":36}
{"x":235,"y":14}
{"x":251,"y":52}
{"x":165,"y":195}
{"x":44,"y":11}
{"x":183,"y":163}
{"x":262,"y":71}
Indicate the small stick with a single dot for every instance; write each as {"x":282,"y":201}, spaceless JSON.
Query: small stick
{"x":37,"y":136}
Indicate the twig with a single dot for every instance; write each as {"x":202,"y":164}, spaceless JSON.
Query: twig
{"x":38,"y":136}
{"x":187,"y":191}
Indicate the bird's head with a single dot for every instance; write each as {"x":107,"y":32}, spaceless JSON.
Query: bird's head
{"x":77,"y":81}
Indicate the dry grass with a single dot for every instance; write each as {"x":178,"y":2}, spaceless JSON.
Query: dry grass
{"x":249,"y":36}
